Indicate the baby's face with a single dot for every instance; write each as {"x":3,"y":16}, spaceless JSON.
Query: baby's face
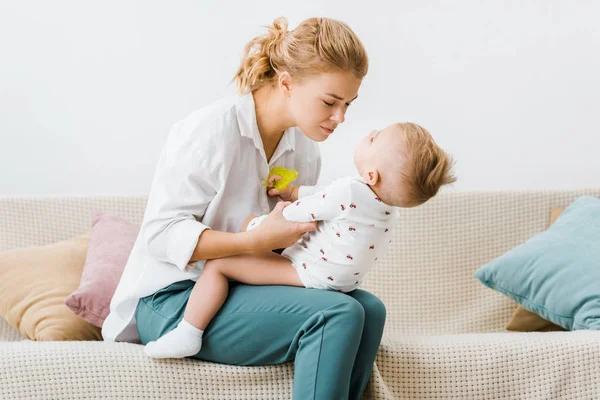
{"x":379,"y":148}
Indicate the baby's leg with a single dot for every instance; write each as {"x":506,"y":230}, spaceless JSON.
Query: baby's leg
{"x":210,"y":292}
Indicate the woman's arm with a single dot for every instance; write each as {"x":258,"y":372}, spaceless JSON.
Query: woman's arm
{"x":214,"y":244}
{"x":274,"y":233}
{"x":183,"y":187}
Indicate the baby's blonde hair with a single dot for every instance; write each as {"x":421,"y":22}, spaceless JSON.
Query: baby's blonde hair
{"x":316,"y":45}
{"x":426,"y":168}
{"x":429,"y":167}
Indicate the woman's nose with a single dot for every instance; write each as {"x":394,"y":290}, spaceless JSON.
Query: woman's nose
{"x":339,"y":116}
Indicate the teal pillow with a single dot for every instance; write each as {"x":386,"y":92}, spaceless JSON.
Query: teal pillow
{"x":556,"y":273}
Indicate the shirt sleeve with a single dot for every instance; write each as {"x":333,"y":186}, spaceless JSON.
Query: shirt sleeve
{"x":326,"y":203}
{"x":182,"y":189}
{"x":304,"y":191}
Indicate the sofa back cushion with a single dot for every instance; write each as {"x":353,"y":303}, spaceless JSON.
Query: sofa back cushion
{"x":425,"y":280}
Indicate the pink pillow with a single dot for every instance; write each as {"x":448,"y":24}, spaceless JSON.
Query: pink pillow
{"x":111,"y":241}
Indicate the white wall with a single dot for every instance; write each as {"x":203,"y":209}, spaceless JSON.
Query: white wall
{"x":88,"y":90}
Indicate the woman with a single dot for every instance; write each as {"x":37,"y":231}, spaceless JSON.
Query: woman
{"x":295,"y":89}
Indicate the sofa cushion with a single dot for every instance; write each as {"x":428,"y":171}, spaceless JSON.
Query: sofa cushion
{"x":111,"y":241}
{"x":34,"y":283}
{"x":556,"y":273}
{"x":523,"y":320}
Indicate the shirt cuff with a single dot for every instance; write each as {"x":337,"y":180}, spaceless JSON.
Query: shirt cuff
{"x":183,"y":240}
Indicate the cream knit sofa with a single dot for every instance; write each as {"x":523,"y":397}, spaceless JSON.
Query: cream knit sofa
{"x":444,"y":337}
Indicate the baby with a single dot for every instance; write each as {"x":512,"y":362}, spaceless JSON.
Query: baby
{"x":400,"y":166}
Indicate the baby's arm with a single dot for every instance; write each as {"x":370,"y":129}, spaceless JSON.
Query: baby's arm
{"x":319,"y":203}
{"x":316,"y":203}
{"x":291,"y":192}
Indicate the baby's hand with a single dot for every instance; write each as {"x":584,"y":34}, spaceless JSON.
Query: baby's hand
{"x":290,"y":193}
{"x":284,"y":177}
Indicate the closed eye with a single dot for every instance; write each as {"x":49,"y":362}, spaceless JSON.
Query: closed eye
{"x":335,"y":96}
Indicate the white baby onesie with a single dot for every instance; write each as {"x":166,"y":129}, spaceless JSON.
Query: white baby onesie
{"x":354,"y":230}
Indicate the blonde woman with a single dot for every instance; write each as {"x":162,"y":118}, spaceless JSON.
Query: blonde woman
{"x":295,"y":88}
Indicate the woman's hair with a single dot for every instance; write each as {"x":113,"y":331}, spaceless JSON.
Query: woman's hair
{"x":316,"y":45}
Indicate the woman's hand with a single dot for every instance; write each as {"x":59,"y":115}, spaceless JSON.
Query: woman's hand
{"x":276,"y":232}
{"x":290,"y":193}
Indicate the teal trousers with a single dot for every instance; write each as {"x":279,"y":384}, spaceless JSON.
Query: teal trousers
{"x":332,"y":337}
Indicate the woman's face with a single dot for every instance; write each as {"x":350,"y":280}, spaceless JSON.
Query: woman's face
{"x":318,"y":103}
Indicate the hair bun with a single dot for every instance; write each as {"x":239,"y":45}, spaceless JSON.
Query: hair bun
{"x":278,"y":30}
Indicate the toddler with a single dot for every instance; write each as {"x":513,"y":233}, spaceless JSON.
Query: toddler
{"x":400,"y":166}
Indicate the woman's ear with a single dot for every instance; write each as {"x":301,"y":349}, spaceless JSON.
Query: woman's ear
{"x":371,"y":176}
{"x":285,"y":83}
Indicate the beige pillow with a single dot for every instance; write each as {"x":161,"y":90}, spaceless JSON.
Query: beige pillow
{"x":34,"y":283}
{"x":523,"y":320}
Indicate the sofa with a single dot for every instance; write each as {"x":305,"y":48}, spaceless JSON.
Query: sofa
{"x":445,"y":335}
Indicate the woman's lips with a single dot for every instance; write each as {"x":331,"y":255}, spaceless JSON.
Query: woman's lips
{"x":327,"y":130}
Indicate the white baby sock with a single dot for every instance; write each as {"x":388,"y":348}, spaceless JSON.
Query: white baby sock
{"x":183,"y":341}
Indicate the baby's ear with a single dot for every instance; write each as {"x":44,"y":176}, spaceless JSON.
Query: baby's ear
{"x":371,"y":176}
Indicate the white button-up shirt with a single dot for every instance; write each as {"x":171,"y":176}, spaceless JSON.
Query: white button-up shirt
{"x":211,"y":175}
